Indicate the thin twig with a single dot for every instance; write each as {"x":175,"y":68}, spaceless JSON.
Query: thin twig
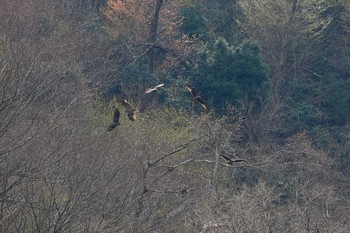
{"x":175,"y":151}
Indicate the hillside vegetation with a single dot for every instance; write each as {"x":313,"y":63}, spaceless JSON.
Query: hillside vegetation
{"x":275,"y":75}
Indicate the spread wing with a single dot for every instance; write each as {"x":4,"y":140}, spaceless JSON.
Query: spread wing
{"x":129,"y":109}
{"x":126,"y":104}
{"x":149,"y":90}
{"x":116,"y":117}
{"x":159,"y":85}
{"x":192,"y":90}
{"x":115,"y":122}
{"x":230,"y":161}
{"x":226,"y":158}
{"x":132,"y":115}
{"x":153,"y":89}
{"x":203,"y":103}
{"x":239,"y":160}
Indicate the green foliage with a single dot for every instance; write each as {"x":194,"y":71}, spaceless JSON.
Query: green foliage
{"x":249,"y":177}
{"x":301,"y":113}
{"x":210,"y":20}
{"x":316,"y":103}
{"x":131,"y":81}
{"x":226,"y":73}
{"x":336,"y":140}
{"x":221,"y":18}
{"x":166,"y":123}
{"x":135,"y":74}
{"x":336,"y":101}
{"x":100,"y":113}
{"x":193,"y":22}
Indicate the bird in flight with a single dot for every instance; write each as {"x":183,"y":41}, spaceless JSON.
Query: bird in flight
{"x":231,"y":161}
{"x":129,"y":109}
{"x":115,"y":122}
{"x":196,"y":97}
{"x":153,"y":89}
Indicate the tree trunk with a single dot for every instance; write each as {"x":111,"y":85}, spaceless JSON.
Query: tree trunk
{"x":153,"y":34}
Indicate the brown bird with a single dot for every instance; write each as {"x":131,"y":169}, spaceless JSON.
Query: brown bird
{"x":231,"y":161}
{"x":129,"y":109}
{"x":154,"y":89}
{"x":115,"y":122}
{"x":196,"y":97}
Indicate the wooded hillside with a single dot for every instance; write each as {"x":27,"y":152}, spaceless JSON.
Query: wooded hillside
{"x":249,"y":133}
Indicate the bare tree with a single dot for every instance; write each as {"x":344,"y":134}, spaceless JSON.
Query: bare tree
{"x":287,"y":32}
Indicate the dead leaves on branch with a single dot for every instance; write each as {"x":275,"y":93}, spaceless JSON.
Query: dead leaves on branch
{"x":132,"y":21}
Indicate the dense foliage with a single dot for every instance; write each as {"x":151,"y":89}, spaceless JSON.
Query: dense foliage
{"x":231,"y":74}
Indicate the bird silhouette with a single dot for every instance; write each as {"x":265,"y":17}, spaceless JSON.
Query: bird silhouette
{"x":153,"y":89}
{"x":231,"y":161}
{"x":129,"y":109}
{"x":115,"y":122}
{"x":196,"y":97}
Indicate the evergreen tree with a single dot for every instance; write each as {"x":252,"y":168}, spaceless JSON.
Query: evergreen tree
{"x":233,"y":74}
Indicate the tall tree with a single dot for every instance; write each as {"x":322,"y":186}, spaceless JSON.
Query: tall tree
{"x":287,"y":31}
{"x":283,"y":28}
{"x":149,"y":29}
{"x":153,"y":34}
{"x":236,"y":75}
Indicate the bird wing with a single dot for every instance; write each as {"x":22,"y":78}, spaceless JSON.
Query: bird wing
{"x":149,"y":90}
{"x":110,"y":127}
{"x":132,"y":115}
{"x":192,"y":90}
{"x":152,"y":89}
{"x":203,"y":104}
{"x":116,"y":117}
{"x":159,"y":85}
{"x":115,"y":122}
{"x":226,"y":157}
{"x":239,"y":160}
{"x":126,"y":104}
